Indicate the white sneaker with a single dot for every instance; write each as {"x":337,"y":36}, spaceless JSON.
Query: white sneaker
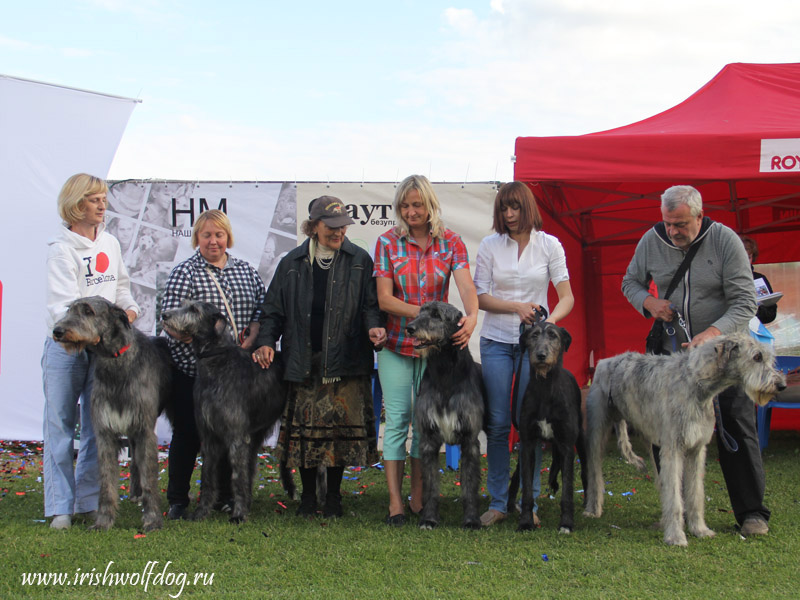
{"x":61,"y":522}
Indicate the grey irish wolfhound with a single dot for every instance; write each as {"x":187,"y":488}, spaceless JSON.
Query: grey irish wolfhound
{"x":236,"y":402}
{"x":669,"y":401}
{"x":551,"y":410}
{"x":449,"y":409}
{"x":132,"y":385}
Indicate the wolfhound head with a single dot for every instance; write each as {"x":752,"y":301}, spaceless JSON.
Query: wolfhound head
{"x":93,"y":323}
{"x":545,"y":344}
{"x":195,"y":322}
{"x":434,"y":327}
{"x":741,"y":358}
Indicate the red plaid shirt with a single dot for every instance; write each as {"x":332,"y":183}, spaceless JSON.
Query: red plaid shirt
{"x":419,"y":276}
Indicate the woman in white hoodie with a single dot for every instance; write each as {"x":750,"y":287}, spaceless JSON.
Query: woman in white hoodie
{"x":82,"y":261}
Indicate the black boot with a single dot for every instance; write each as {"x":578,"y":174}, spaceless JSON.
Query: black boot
{"x":308,"y":505}
{"x":333,"y":506}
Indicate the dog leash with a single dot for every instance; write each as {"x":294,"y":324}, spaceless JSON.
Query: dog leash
{"x":728,"y":442}
{"x":541,"y":315}
{"x":225,"y":301}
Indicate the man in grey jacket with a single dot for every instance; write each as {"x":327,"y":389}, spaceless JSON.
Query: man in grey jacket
{"x":715,"y":296}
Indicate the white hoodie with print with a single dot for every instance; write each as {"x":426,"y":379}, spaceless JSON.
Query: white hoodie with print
{"x":78,"y":267}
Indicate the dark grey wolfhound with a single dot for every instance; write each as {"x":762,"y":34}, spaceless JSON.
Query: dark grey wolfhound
{"x":236,"y":402}
{"x":551,"y":410}
{"x":449,"y":409}
{"x":669,"y":401}
{"x":132,"y":385}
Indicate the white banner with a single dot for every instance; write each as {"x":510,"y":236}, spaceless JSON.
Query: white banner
{"x":47,"y":134}
{"x":780,"y":155}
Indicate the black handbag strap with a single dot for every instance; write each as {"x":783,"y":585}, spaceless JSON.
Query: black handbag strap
{"x":683,"y":267}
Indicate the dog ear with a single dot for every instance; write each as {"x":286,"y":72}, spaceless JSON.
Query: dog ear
{"x":220,"y":323}
{"x":726,"y":350}
{"x":121,"y":315}
{"x":566,"y":338}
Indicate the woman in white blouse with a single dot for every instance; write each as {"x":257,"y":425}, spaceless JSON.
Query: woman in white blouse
{"x":514,"y":268}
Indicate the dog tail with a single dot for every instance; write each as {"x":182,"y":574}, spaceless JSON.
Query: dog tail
{"x":625,"y":448}
{"x":166,"y":401}
{"x":287,"y":480}
{"x":580,"y":447}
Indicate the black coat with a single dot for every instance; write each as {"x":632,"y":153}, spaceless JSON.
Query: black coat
{"x":766,"y":314}
{"x":351,"y":311}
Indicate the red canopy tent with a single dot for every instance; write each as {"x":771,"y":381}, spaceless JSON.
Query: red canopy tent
{"x":737,"y":140}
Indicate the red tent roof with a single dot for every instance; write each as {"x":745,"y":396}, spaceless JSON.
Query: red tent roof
{"x":737,"y":140}
{"x":714,"y":134}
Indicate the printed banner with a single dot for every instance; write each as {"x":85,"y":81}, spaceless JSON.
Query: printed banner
{"x":153,"y":223}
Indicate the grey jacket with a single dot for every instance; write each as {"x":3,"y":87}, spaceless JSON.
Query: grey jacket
{"x":717,"y":289}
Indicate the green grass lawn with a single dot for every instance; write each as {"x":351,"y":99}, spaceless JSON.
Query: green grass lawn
{"x":278,"y":555}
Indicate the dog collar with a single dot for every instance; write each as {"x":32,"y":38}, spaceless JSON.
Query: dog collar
{"x":121,"y":351}
{"x":212,"y":352}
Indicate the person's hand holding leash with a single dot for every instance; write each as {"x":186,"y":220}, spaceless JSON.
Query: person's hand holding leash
{"x":660,"y":309}
{"x":527,"y":312}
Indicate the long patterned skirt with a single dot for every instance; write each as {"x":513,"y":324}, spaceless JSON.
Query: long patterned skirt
{"x":329,"y":424}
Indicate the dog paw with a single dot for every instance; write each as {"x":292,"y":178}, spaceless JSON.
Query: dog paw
{"x":525,"y":527}
{"x":152,"y":525}
{"x":198,"y":515}
{"x":592,"y":514}
{"x":102,"y":524}
{"x":473,"y":525}
{"x":676,"y":540}
{"x":427,"y":524}
{"x":237,"y":520}
{"x":565,"y":530}
{"x":135,"y":499}
{"x":704,"y":532}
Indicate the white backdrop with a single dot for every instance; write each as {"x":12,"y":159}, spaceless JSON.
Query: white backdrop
{"x":47,"y":133}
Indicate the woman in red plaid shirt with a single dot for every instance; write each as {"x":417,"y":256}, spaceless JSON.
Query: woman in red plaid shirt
{"x":413,"y":264}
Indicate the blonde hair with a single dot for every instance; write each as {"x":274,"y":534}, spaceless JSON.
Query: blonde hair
{"x":218,"y":218}
{"x":71,"y":207}
{"x":429,"y":199}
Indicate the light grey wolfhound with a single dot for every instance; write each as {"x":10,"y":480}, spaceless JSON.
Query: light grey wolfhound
{"x":132,"y":386}
{"x":669,"y":401}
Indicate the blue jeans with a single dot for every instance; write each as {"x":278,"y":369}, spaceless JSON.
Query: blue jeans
{"x":499,"y":364}
{"x":67,"y":378}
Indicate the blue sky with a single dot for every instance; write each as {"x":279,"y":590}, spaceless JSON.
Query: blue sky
{"x":353,"y":90}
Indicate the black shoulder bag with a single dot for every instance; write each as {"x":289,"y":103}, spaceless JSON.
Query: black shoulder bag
{"x":654,"y":343}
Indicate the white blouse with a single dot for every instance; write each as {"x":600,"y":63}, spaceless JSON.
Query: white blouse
{"x":499,"y":273}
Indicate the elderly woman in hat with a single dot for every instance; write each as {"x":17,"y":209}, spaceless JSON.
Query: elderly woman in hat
{"x":323,"y":307}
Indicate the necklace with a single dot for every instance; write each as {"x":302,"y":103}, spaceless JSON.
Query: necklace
{"x":324,"y":257}
{"x":324,"y":263}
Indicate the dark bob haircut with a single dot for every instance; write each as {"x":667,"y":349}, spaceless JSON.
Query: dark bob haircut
{"x":516,"y":195}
